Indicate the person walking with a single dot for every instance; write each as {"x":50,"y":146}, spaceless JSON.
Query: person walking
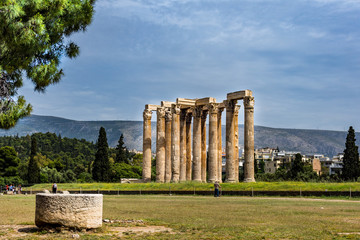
{"x":54,"y":188}
{"x":217,"y":186}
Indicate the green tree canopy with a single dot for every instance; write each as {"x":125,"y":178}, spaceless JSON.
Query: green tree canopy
{"x":297,"y":166}
{"x":121,"y":153}
{"x":351,"y":168}
{"x":101,"y":168}
{"x":8,"y":161}
{"x":34,"y":35}
{"x":33,"y":167}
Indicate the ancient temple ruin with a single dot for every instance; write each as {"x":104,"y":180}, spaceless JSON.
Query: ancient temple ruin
{"x":181,"y":156}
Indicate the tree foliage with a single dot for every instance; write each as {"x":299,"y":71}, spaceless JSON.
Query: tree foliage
{"x":33,"y":168}
{"x":297,"y":166}
{"x":101,"y":167}
{"x":121,"y":151}
{"x":9,"y":161}
{"x":351,"y":167}
{"x":34,"y":35}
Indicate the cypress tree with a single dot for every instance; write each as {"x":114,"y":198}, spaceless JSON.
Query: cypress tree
{"x":121,"y":151}
{"x":33,"y":168}
{"x":101,"y":166}
{"x":297,"y":166}
{"x":351,"y":168}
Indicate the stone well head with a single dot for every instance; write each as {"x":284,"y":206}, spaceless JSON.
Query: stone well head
{"x":80,"y":211}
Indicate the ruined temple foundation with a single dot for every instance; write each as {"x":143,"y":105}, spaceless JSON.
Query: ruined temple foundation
{"x":184,"y":156}
{"x":79,"y":211}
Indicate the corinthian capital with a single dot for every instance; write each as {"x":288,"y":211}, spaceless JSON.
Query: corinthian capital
{"x":236,"y":110}
{"x":213,"y":108}
{"x":230,"y":105}
{"x":175,"y":109}
{"x":197,"y":112}
{"x":160,"y":112}
{"x":168,"y":115}
{"x":147,"y":114}
{"x":249,"y":102}
{"x":204,"y":114}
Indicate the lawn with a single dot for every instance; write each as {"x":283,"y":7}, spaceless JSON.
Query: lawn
{"x":190,"y":186}
{"x":205,"y":217}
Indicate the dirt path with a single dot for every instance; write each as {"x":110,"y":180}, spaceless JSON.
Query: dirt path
{"x":23,"y":231}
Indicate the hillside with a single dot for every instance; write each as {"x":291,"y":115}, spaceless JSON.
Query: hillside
{"x":306,"y":141}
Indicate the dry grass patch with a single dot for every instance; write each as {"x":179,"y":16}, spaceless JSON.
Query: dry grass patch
{"x":196,"y":217}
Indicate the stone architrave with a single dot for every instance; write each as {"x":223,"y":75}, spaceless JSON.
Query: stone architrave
{"x":196,"y":167}
{"x":203,"y":145}
{"x":146,"y":172}
{"x":175,"y":144}
{"x":183,"y":145}
{"x":249,"y":139}
{"x":219,"y":132}
{"x":160,"y":145}
{"x":230,"y":141}
{"x":213,"y":142}
{"x":79,"y":211}
{"x":188,"y":146}
{"x":236,"y":129}
{"x":168,"y":121}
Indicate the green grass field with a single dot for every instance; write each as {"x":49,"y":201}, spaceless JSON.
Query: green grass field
{"x":258,"y":186}
{"x":199,"y":217}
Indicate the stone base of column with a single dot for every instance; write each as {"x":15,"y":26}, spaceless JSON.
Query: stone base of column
{"x":247,"y":180}
{"x":146,"y":180}
{"x":230,"y":181}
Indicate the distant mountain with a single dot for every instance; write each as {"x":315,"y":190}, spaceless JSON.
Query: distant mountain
{"x":325,"y":142}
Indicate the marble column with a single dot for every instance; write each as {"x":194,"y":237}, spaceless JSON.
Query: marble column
{"x":236,"y":129}
{"x":175,"y":144}
{"x":183,"y":145}
{"x":213,"y":142}
{"x":146,"y":173}
{"x":160,"y":145}
{"x":203,"y":145}
{"x":249,"y":139}
{"x":168,"y":121}
{"x":219,"y":141}
{"x":196,"y":167}
{"x":188,"y":146}
{"x":230,"y":141}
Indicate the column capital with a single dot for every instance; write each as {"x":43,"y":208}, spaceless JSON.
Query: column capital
{"x":175,"y":109}
{"x":160,"y":112}
{"x":249,"y":102}
{"x":147,"y":114}
{"x":230,"y":105}
{"x":183,"y":114}
{"x":197,"y":112}
{"x":213,"y":108}
{"x":189,"y":116}
{"x":168,"y":115}
{"x":204,"y":114}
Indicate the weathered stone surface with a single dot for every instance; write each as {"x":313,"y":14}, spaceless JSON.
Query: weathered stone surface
{"x":80,"y":211}
{"x":146,"y":171}
{"x":160,"y":145}
{"x":249,"y":175}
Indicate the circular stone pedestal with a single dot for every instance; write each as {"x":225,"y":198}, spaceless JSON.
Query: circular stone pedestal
{"x":80,"y":211}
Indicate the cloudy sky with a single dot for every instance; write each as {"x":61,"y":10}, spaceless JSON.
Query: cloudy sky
{"x":301,"y":59}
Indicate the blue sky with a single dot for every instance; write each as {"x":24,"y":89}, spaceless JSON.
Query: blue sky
{"x":301,"y":59}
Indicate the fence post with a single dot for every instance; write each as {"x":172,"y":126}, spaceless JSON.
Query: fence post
{"x":140,"y":191}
